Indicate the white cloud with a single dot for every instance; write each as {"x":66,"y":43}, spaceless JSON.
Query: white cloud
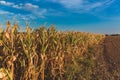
{"x":25,"y":17}
{"x":97,"y":4}
{"x":92,"y":6}
{"x":71,"y":3}
{"x":26,"y":6}
{"x":29,"y":6}
{"x":5,"y":12}
{"x":6,"y":3}
{"x":34,"y":9}
{"x":17,"y":6}
{"x":82,"y":5}
{"x":40,"y":12}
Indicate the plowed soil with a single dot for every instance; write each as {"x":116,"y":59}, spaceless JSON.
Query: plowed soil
{"x":112,"y":52}
{"x":108,"y":59}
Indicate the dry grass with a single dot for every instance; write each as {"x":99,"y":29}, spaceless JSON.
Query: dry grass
{"x":46,"y":54}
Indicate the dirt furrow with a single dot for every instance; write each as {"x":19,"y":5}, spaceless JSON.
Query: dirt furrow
{"x":112,"y":56}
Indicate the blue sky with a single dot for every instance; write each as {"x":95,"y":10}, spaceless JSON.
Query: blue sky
{"x":96,"y":16}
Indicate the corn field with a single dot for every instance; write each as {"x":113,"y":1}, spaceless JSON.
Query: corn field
{"x":47,"y":54}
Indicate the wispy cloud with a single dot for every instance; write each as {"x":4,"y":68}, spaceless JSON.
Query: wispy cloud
{"x":34,"y":9}
{"x":70,"y":3}
{"x":91,"y":6}
{"x":26,"y":6}
{"x":29,"y":6}
{"x":82,"y":5}
{"x":6,"y":3}
{"x":18,"y":6}
{"x":2,"y":12}
{"x":25,"y":17}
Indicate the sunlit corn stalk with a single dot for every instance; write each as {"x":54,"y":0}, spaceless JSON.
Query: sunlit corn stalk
{"x":10,"y":46}
{"x":31,"y":59}
{"x":44,"y":49}
{"x":44,"y":45}
{"x":14,"y":37}
{"x":8,"y":50}
{"x":57,"y":68}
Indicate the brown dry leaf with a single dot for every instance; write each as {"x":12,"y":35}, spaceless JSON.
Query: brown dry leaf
{"x":15,"y":27}
{"x":1,"y":43}
{"x":13,"y":58}
{"x":42,"y":56}
{"x":8,"y":27}
{"x":7,"y":35}
{"x":2,"y":73}
{"x":28,"y":30}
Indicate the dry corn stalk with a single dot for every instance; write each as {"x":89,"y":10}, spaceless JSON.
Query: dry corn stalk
{"x":43,"y":53}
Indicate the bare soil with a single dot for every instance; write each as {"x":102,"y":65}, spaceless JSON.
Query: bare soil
{"x":107,"y":65}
